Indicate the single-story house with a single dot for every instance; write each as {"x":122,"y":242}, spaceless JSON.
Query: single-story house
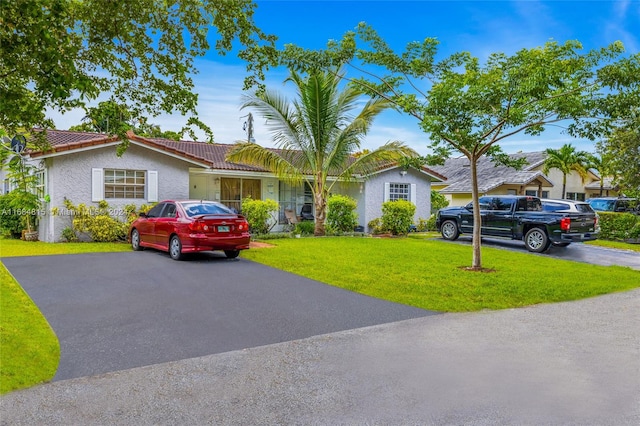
{"x":84,"y":168}
{"x":502,"y":180}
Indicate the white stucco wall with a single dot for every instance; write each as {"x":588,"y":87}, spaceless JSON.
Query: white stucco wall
{"x":70,"y":176}
{"x":374,"y":194}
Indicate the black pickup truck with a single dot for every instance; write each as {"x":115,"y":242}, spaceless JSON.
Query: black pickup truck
{"x":520,"y":218}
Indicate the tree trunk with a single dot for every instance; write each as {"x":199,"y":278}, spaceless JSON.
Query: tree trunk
{"x":564,"y":186}
{"x":477,"y":218}
{"x":320,"y":201}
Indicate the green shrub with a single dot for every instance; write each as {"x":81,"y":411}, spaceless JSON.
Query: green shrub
{"x":69,"y":235}
{"x":425,"y":225}
{"x":305,"y":228}
{"x":11,"y":221}
{"x":397,"y":216}
{"x":618,"y":226}
{"x":133,"y":212}
{"x":95,"y":222}
{"x":259,"y":214}
{"x":438,"y":201}
{"x":376,"y":227}
{"x":341,"y":215}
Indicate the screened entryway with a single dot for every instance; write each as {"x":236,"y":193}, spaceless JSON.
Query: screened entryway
{"x":234,"y":190}
{"x":294,"y":198}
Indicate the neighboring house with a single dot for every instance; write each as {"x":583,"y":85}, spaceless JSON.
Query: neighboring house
{"x":608,"y":189}
{"x":84,"y":168}
{"x":502,"y":180}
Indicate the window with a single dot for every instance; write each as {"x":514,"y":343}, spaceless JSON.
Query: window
{"x":124,"y":183}
{"x":169,"y":211}
{"x":502,"y":204}
{"x":399,"y":191}
{"x":40,"y":184}
{"x":534,"y":193}
{"x":577,"y":196}
{"x":156,"y":211}
{"x":234,"y":190}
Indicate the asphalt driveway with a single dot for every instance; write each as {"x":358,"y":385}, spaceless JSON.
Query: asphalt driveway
{"x":114,"y":311}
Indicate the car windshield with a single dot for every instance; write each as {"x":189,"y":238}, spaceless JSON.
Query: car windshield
{"x":197,"y":209}
{"x":603,"y":205}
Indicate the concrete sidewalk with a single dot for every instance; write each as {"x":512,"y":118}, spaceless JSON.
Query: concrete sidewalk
{"x":575,"y":363}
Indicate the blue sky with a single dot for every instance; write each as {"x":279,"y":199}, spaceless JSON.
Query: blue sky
{"x":480,"y":27}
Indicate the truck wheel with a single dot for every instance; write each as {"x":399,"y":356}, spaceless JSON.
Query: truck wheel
{"x":449,"y":230}
{"x":536,"y":240}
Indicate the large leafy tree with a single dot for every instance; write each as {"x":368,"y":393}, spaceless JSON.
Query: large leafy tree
{"x":113,"y":118}
{"x":62,"y":53}
{"x":471,"y":107}
{"x":622,"y":148}
{"x":567,"y":159}
{"x":316,"y":134}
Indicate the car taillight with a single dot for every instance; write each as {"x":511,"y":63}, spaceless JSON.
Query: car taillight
{"x":565,"y":223}
{"x":195,"y":226}
{"x":243,"y":226}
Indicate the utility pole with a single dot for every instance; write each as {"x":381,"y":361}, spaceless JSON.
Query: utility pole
{"x":248,"y":127}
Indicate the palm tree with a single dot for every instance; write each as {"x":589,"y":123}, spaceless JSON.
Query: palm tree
{"x":566,"y":159}
{"x":316,"y":135}
{"x":602,"y":165}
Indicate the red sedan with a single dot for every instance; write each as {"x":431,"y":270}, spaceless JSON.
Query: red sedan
{"x":189,"y":226}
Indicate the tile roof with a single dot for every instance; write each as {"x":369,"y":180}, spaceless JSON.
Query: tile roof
{"x":209,"y":154}
{"x":490,"y":176}
{"x":212,"y":155}
{"x":607,"y":184}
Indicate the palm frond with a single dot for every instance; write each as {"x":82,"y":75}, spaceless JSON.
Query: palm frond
{"x":252,"y":154}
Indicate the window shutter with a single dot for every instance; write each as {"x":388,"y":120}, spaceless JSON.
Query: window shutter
{"x":97,"y":185}
{"x":386,"y":192}
{"x":412,"y":194}
{"x":152,"y":185}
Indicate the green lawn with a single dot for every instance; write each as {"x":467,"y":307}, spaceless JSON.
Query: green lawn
{"x":417,"y":271}
{"x":427,"y":273}
{"x":615,"y":245}
{"x":29,"y":349}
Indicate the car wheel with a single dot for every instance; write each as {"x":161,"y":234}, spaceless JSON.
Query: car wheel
{"x":135,"y":240}
{"x":449,"y":230}
{"x":536,"y":240}
{"x":232,"y":254}
{"x":175,"y":248}
{"x":560,"y":244}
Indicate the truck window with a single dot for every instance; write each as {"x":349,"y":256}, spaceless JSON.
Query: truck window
{"x":534,"y":205}
{"x":485,"y":203}
{"x":502,"y":204}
